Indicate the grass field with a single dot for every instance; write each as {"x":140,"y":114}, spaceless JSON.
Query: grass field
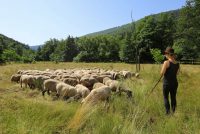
{"x":25,"y":111}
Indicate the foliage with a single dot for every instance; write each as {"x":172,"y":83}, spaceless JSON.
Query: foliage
{"x":157,"y":55}
{"x":98,"y":48}
{"x":70,"y":49}
{"x":127,"y":51}
{"x":188,"y":27}
{"x":10,"y":55}
{"x":11,"y":50}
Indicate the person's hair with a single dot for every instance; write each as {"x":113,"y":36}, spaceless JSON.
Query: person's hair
{"x":169,"y":51}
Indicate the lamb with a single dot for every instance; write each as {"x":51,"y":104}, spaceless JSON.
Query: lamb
{"x":16,"y":78}
{"x":65,"y":91}
{"x":82,"y":91}
{"x":98,"y":94}
{"x":49,"y":85}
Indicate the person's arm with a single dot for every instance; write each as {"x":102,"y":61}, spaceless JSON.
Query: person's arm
{"x":164,"y":67}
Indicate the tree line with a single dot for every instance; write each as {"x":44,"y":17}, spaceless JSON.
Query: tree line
{"x":179,"y":29}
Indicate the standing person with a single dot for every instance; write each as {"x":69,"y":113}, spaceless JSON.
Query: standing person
{"x":170,"y":84}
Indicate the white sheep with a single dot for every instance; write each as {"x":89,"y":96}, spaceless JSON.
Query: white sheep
{"x":97,"y":85}
{"x":65,"y":91}
{"x":27,"y":80}
{"x":98,"y":94}
{"x":49,"y":85}
{"x":82,"y":91}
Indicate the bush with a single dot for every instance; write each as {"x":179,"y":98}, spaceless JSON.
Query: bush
{"x":157,"y":56}
{"x":82,"y":56}
{"x":10,"y":55}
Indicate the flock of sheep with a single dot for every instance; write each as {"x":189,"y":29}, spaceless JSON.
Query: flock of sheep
{"x":91,"y":85}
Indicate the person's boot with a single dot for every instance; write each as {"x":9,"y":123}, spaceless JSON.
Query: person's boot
{"x":167,"y":112}
{"x":173,"y":109}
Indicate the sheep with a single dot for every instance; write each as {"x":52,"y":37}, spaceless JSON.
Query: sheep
{"x":39,"y":80}
{"x":117,"y":76}
{"x":53,"y":76}
{"x":49,"y":85}
{"x":126,"y":74}
{"x":97,"y":85}
{"x":65,"y":91}
{"x":88,"y":81}
{"x":116,"y":86}
{"x":70,"y":81}
{"x":82,"y":91}
{"x":16,"y":78}
{"x":98,"y":94}
{"x":101,"y":77}
{"x":28,"y":80}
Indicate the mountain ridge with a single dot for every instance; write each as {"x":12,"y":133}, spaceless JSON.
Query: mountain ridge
{"x":128,"y":27}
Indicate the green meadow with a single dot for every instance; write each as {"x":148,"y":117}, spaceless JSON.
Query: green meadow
{"x":26,"y":111}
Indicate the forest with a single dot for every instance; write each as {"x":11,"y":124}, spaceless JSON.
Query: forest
{"x":179,"y":29}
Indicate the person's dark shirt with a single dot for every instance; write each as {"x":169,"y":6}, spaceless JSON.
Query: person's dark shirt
{"x":170,"y":74}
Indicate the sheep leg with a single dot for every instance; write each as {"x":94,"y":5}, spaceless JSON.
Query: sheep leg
{"x":78,"y":96}
{"x":29,"y":85}
{"x":57,"y":95}
{"x":43,"y":92}
{"x":21,"y":83}
{"x":48,"y":92}
{"x":25,"y":85}
{"x":118,"y":91}
{"x":65,"y":98}
{"x":129,"y":94}
{"x":32,"y":86}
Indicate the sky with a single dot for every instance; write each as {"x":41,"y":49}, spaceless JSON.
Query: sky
{"x":33,"y":22}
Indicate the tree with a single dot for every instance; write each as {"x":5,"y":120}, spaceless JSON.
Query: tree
{"x":145,"y":38}
{"x":88,"y":47}
{"x":70,"y":49}
{"x":127,"y":52}
{"x":188,"y":36}
{"x":165,"y":29}
{"x":47,"y":49}
{"x":28,"y":56}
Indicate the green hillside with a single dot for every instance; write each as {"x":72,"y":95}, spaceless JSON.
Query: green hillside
{"x":129,"y":27}
{"x":11,"y":43}
{"x":12,"y":50}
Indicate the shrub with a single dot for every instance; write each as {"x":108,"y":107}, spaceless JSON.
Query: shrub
{"x":157,"y":56}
